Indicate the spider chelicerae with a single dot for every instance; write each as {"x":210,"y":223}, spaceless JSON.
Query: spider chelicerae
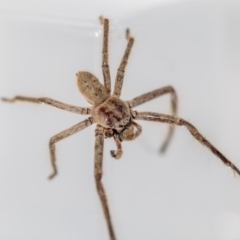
{"x":115,"y":117}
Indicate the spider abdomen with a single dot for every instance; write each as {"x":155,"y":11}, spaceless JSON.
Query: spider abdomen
{"x":112,"y":113}
{"x":90,"y":87}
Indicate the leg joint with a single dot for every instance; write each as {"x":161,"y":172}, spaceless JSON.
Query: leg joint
{"x":52,"y":141}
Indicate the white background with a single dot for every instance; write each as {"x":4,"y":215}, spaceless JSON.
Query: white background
{"x":185,"y":194}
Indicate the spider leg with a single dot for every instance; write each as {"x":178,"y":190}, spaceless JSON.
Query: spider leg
{"x":98,"y":159}
{"x":123,"y":64}
{"x":139,"y":129}
{"x":66,"y":133}
{"x":157,"y":93}
{"x":49,"y":101}
{"x":105,"y":66}
{"x":117,"y":153}
{"x":157,"y":117}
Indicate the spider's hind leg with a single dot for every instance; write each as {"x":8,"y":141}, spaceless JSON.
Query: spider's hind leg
{"x":152,"y":95}
{"x":98,"y":172}
{"x":158,"y":117}
{"x":167,"y":139}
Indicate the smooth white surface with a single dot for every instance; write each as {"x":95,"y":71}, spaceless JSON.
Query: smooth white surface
{"x":75,"y":9}
{"x":186,"y":193}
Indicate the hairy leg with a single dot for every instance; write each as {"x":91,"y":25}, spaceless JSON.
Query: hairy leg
{"x":105,"y":66}
{"x":98,"y":159}
{"x":123,"y":64}
{"x":52,"y":102}
{"x":157,"y":117}
{"x":117,"y":153}
{"x":157,"y":93}
{"x":66,"y":133}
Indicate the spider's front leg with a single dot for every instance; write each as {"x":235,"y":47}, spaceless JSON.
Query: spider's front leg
{"x":105,"y":65}
{"x":98,"y":159}
{"x":123,"y":64}
{"x":66,"y":133}
{"x":158,"y":117}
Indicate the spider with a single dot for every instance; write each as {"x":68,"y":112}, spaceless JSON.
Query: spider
{"x":115,"y":117}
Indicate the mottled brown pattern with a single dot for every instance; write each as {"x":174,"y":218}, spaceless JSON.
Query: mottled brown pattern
{"x":115,"y":118}
{"x":90,"y":87}
{"x":113,"y":113}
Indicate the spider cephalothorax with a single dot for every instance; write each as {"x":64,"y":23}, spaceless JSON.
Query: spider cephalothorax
{"x":115,"y":117}
{"x":112,"y":113}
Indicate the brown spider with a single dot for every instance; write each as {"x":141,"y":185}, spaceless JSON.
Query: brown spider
{"x":115,"y":117}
